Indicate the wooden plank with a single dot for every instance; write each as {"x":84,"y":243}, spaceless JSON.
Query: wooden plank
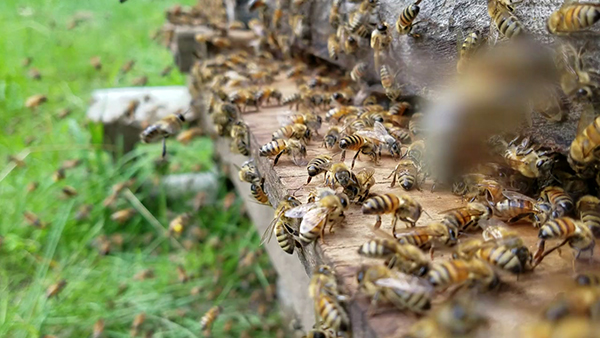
{"x":517,"y":302}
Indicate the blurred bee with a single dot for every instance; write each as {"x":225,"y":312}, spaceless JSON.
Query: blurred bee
{"x":582,"y":152}
{"x":127,"y":66}
{"x":561,"y":202}
{"x":333,"y":47}
{"x":403,"y":208}
{"x":309,"y":119}
{"x":35,"y":101}
{"x":407,"y":258}
{"x":468,"y":218}
{"x":123,"y":216}
{"x":576,"y":80}
{"x":265,"y":95}
{"x":166,"y":71}
{"x":406,"y":173}
{"x":328,"y":310}
{"x":70,"y":164}
{"x":468,"y":47}
{"x":460,"y":272}
{"x":98,"y":328}
{"x":140,"y":81}
{"x":33,"y":219}
{"x":392,"y":91}
{"x":96,"y":62}
{"x":240,"y":138}
{"x":577,"y":302}
{"x":281,"y":226}
{"x":258,"y":192}
{"x":242,"y":99}
{"x":351,"y":47}
{"x":137,"y":322}
{"x":32,"y":186}
{"x":378,"y":134}
{"x":360,"y":145}
{"x":320,"y":333}
{"x":358,"y":72}
{"x":144,"y":274}
{"x":328,"y":209}
{"x":403,"y":291}
{"x":295,"y":98}
{"x":55,"y":289}
{"x":248,"y":172}
{"x":400,"y":134}
{"x":179,"y":223}
{"x":320,"y":164}
{"x":358,"y":20}
{"x":224,"y":117}
{"x":339,"y":173}
{"x":68,"y":191}
{"x":186,"y":136}
{"x":575,"y":233}
{"x":84,"y":212}
{"x":335,"y":17}
{"x":164,"y":128}
{"x":380,"y":38}
{"x":573,"y":17}
{"x":289,"y":147}
{"x":295,"y":131}
{"x":506,"y":22}
{"x":405,"y":22}
{"x":528,"y":161}
{"x":359,"y":190}
{"x":589,"y":212}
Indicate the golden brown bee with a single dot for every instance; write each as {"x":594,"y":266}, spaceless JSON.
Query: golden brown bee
{"x":179,"y":223}
{"x":561,"y":202}
{"x":209,"y":317}
{"x":70,"y":164}
{"x":164,"y":128}
{"x":381,"y":38}
{"x":257,"y":190}
{"x":426,"y":237}
{"x":506,"y":22}
{"x":339,"y":173}
{"x":468,"y":218}
{"x":186,"y":136}
{"x":292,"y":99}
{"x":573,"y":17}
{"x":19,"y":162}
{"x":296,"y":131}
{"x":328,"y":209}
{"x":311,"y":120}
{"x":138,"y":320}
{"x":403,"y":291}
{"x":281,"y":226}
{"x":589,"y":212}
{"x":242,"y":99}
{"x":359,"y":190}
{"x":468,"y":47}
{"x":515,"y":207}
{"x":55,"y":289}
{"x":406,"y":173}
{"x":339,"y":113}
{"x":318,"y":165}
{"x":360,"y":145}
{"x":123,"y":216}
{"x":144,"y":274}
{"x":182,"y":275}
{"x":576,"y":80}
{"x":405,"y":22}
{"x":576,"y":302}
{"x":526,"y":160}
{"x":404,"y":208}
{"x":240,"y":138}
{"x":35,"y":101}
{"x":248,"y":172}
{"x":289,"y":147}
{"x":34,"y":74}
{"x":264,"y":95}
{"x":582,"y":153}
{"x":96,"y":62}
{"x":323,"y":289}
{"x":33,"y":219}
{"x":26,"y":62}
{"x":333,"y":47}
{"x":335,"y":17}
{"x":69,"y":191}
{"x":575,"y":233}
{"x":139,"y":81}
{"x":127,"y":66}
{"x":358,"y":72}
{"x":458,"y":272}
{"x":98,"y":328}
{"x":64,"y":113}
{"x":331,"y":137}
{"x":351,"y":47}
{"x":408,"y":258}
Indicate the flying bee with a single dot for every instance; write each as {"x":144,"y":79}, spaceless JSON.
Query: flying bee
{"x":69,"y":191}
{"x":459,"y":272}
{"x":351,"y":46}
{"x":248,"y":172}
{"x":328,"y":310}
{"x":333,"y":47}
{"x":358,"y":72}
{"x":318,"y":165}
{"x":575,"y":233}
{"x":264,"y":95}
{"x":335,"y":17}
{"x":406,"y":173}
{"x":359,"y":191}
{"x":468,"y":218}
{"x":405,"y":22}
{"x":289,"y":147}
{"x":561,"y":202}
{"x":407,"y":258}
{"x":281,"y":226}
{"x":123,"y":216}
{"x":360,"y":145}
{"x":392,"y":91}
{"x":468,"y":47}
{"x":328,"y":209}
{"x":573,"y":17}
{"x":506,"y":22}
{"x":403,"y":208}
{"x":381,"y":38}
{"x":426,"y":237}
{"x":209,"y":317}
{"x":33,"y":219}
{"x":127,"y":66}
{"x":297,"y":131}
{"x":257,"y":190}
{"x":98,"y":328}
{"x":164,"y":128}
{"x":514,"y":207}
{"x":339,"y":173}
{"x":403,"y":291}
{"x":589,"y":212}
{"x":179,"y":223}
{"x":55,"y":289}
{"x":35,"y":101}
{"x":84,"y":212}
{"x":583,"y":152}
{"x":576,"y":80}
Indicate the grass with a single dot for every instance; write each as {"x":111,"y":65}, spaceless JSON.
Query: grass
{"x":104,"y":286}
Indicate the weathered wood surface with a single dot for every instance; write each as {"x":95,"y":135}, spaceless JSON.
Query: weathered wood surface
{"x":519,"y":301}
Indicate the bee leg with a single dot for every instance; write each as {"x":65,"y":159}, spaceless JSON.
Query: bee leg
{"x":393,"y":179}
{"x":378,"y":222}
{"x":277,"y":157}
{"x":343,"y":157}
{"x":354,"y":159}
{"x":373,"y":306}
{"x":309,"y":179}
{"x":431,"y":250}
{"x":164,"y":147}
{"x":394,"y":222}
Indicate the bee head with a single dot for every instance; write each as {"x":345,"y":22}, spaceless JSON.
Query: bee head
{"x":382,"y":27}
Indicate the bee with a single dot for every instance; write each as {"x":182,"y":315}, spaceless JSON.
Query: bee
{"x":380,"y":38}
{"x":64,"y":113}
{"x":404,"y":208}
{"x":328,"y":209}
{"x":295,"y":98}
{"x":331,"y":313}
{"x":358,"y":18}
{"x":360,"y":145}
{"x":339,"y":173}
{"x":573,"y":17}
{"x":468,"y":218}
{"x":589,"y":212}
{"x":281,"y":226}
{"x":34,"y":74}
{"x":358,"y":72}
{"x":576,"y":80}
{"x":515,"y":207}
{"x":35,"y":101}
{"x":561,"y":202}
{"x":164,"y":128}
{"x":84,"y":212}
{"x":264,"y":95}
{"x":426,"y":237}
{"x":144,"y":274}
{"x":295,"y":131}
{"x":140,"y":81}
{"x":179,"y":223}
{"x":408,"y":258}
{"x":320,"y":333}
{"x":359,"y":190}
{"x":405,"y":22}
{"x":403,"y":291}
{"x":351,"y":47}
{"x":55,"y":289}
{"x":258,"y":192}
{"x":98,"y":328}
{"x":96,"y":62}
{"x":33,"y":219}
{"x":289,"y":147}
{"x":339,"y":113}
{"x":186,"y":136}
{"x":402,"y":135}
{"x":575,"y":233}
{"x":506,"y":22}
{"x":468,"y":47}
{"x":459,"y":272}
{"x":248,"y":172}
{"x":318,"y":165}
{"x":32,"y":186}
{"x":528,"y":161}
{"x":579,"y":302}
{"x":240,"y":135}
{"x":588,"y":279}
{"x":242,"y":99}
{"x":311,"y":120}
{"x":123,"y":216}
{"x":335,"y":17}
{"x":406,"y":173}
{"x":582,"y":152}
{"x":127,"y":66}
{"x":69,"y":191}
{"x":387,"y":81}
{"x":333,"y":47}
{"x":166,"y":71}
{"x":70,"y":164}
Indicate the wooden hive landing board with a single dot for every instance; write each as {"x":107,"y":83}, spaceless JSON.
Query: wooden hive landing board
{"x":517,"y":302}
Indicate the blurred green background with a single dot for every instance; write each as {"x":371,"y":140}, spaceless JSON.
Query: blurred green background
{"x":222,"y":259}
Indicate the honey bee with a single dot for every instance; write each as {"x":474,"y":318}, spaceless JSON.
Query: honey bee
{"x":166,"y":71}
{"x":575,"y":233}
{"x":32,"y":186}
{"x":338,"y":113}
{"x":96,"y":62}
{"x":179,"y":223}
{"x":403,"y":291}
{"x":528,"y":161}
{"x":318,"y":165}
{"x":426,"y":237}
{"x":281,"y":226}
{"x":468,"y":218}
{"x":98,"y":328}
{"x":359,"y":190}
{"x":164,"y":128}
{"x":123,"y":216}
{"x":408,"y":258}
{"x":506,"y":22}
{"x":295,"y":98}
{"x":561,"y":202}
{"x":137,"y":322}
{"x":401,"y":134}
{"x":573,"y":17}
{"x":186,"y":136}
{"x":357,"y":20}
{"x":320,"y":333}
{"x":406,"y":173}
{"x":576,"y":79}
{"x":459,"y":272}
{"x":404,"y":208}
{"x":289,"y":147}
{"x":360,"y":145}
{"x":392,"y":91}
{"x":311,"y":120}
{"x":242,"y":99}
{"x":240,"y":138}
{"x":297,"y":131}
{"x":358,"y":72}
{"x":380,"y":38}
{"x":265,"y":95}
{"x":405,"y":22}
{"x":55,"y":289}
{"x":339,"y":173}
{"x":144,"y":274}
{"x":34,"y":74}
{"x":589,"y":212}
{"x":333,"y":47}
{"x":127,"y":66}
{"x":582,"y":152}
{"x":329,"y":312}
{"x":248,"y":172}
{"x":35,"y":101}
{"x":328,"y":209}
{"x":576,"y":302}
{"x":351,"y":47}
{"x":335,"y":17}
{"x":258,"y":192}
{"x":515,"y":207}
{"x":84,"y":212}
{"x":140,"y":81}
{"x":33,"y":219}
{"x":69,"y":191}
{"x":70,"y":164}
{"x":468,"y":47}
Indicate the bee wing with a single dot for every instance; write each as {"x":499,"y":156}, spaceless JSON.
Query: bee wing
{"x":378,"y":133}
{"x":313,"y":218}
{"x":404,"y":282}
{"x":494,"y":229}
{"x":268,"y":234}
{"x":513,"y":195}
{"x":300,"y":211}
{"x":365,"y":174}
{"x":587,"y":117}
